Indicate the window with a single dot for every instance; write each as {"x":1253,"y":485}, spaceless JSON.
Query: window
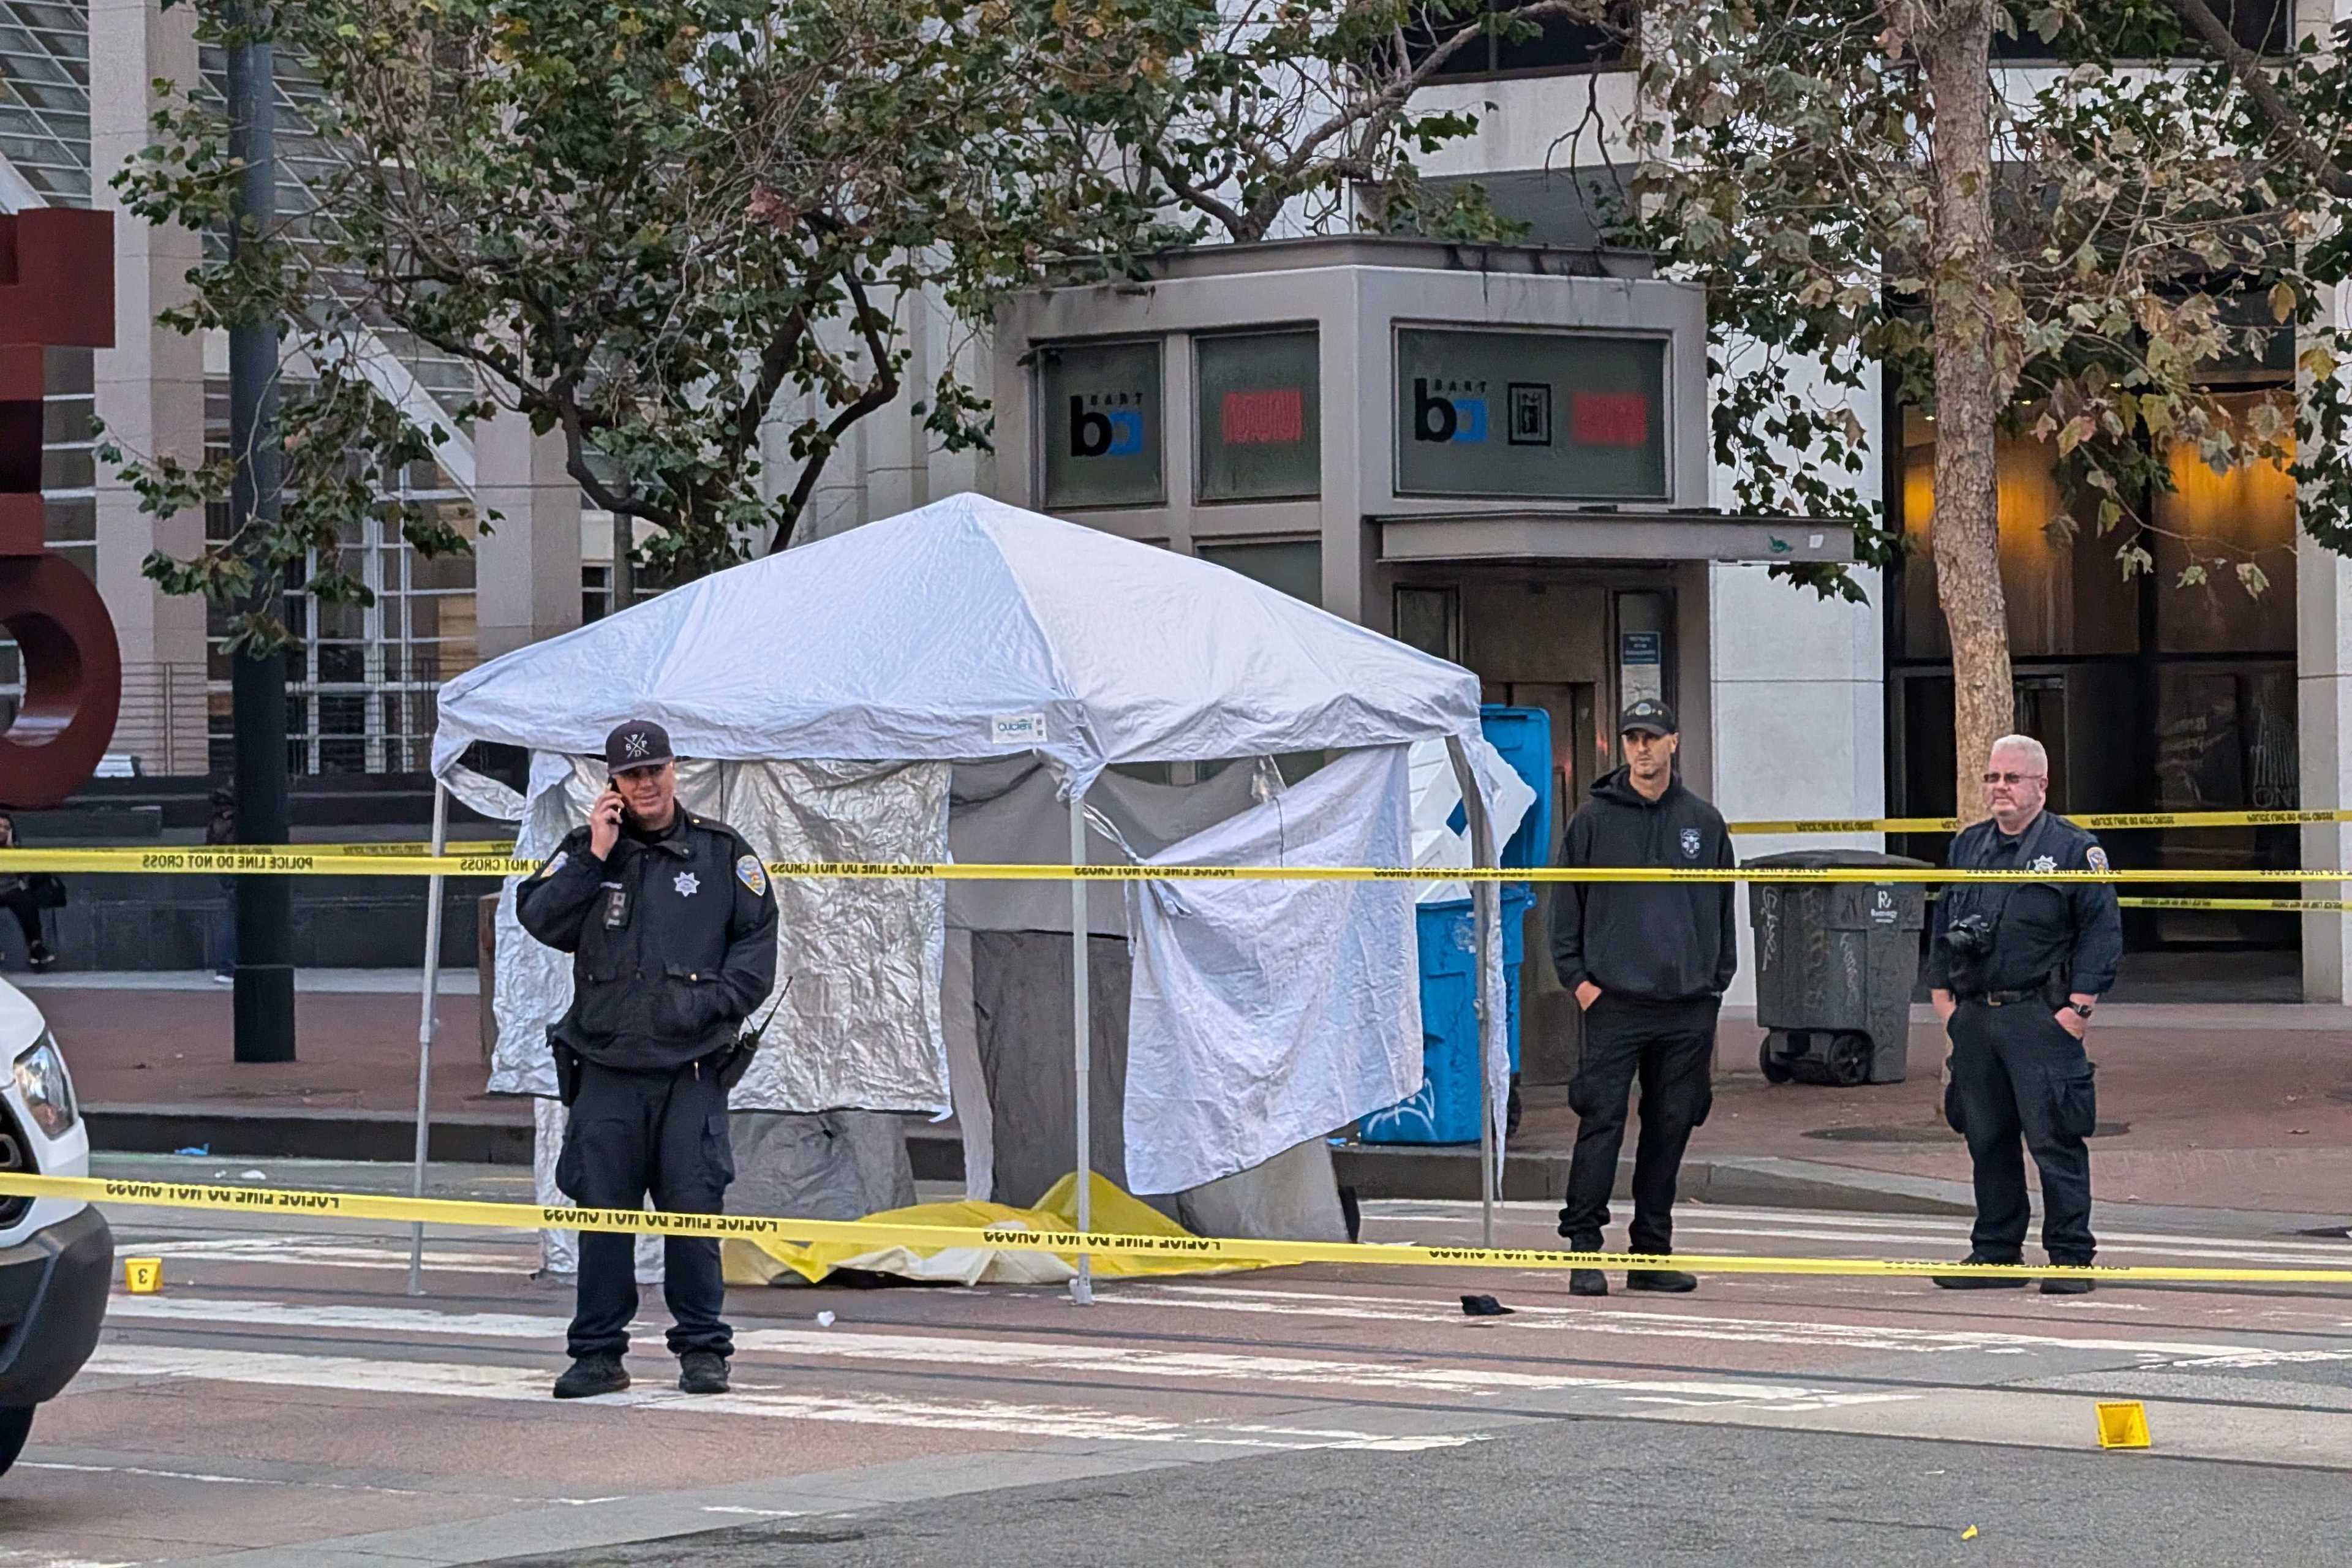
{"x":1099,"y":424}
{"x":1294,"y":566}
{"x":2245,"y":515}
{"x":1555,"y":415}
{"x":1430,"y":619}
{"x":363,"y":680}
{"x":1556,"y":43}
{"x":2066,"y":595}
{"x":1260,"y":416}
{"x":595,"y":593}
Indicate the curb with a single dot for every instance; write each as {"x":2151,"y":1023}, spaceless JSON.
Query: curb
{"x":1756,"y":1182}
{"x":496,"y":1138}
{"x":464,"y":1137}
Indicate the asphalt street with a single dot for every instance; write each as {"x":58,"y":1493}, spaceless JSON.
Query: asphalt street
{"x":285,"y":1402}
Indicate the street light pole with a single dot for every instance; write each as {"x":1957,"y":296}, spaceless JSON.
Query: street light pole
{"x":264,"y":1001}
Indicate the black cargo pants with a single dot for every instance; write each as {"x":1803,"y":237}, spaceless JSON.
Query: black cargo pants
{"x":1668,"y":1046}
{"x":630,"y":1135}
{"x":2019,"y":1078}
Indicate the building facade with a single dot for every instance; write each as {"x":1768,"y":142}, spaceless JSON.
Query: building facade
{"x":1797,"y":707}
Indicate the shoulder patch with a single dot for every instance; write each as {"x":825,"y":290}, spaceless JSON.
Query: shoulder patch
{"x":2096,"y":857}
{"x":554,"y":864}
{"x":752,"y":874}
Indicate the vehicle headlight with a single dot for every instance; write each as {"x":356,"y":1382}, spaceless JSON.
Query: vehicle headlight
{"x":49,"y":1092}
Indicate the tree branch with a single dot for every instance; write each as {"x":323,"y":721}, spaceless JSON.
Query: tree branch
{"x":877,"y":394}
{"x":2247,"y":68}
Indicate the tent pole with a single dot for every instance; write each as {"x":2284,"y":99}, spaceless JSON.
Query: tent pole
{"x":1485,"y":912}
{"x":425,"y":1031}
{"x":1082,"y":1288}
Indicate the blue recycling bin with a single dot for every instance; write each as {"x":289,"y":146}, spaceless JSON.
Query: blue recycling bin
{"x":1446,"y":1108}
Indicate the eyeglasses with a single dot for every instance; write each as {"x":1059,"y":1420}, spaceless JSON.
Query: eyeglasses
{"x":2011,"y":778}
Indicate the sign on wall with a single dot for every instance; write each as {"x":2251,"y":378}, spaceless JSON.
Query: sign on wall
{"x":1260,"y":416}
{"x":1100,"y":423}
{"x":1549,"y":415}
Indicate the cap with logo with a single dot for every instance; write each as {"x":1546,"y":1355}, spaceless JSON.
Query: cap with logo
{"x":639,"y":744}
{"x":1650,"y":717}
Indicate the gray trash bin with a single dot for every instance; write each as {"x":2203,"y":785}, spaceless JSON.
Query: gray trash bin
{"x":1835,"y":963}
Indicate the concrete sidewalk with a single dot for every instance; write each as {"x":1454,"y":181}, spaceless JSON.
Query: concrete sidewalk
{"x":2246,"y":1108}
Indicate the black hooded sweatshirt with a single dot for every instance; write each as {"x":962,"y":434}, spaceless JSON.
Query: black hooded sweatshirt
{"x":1648,"y":941}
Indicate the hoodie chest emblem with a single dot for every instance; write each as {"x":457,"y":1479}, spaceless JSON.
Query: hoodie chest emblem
{"x":1690,"y":843}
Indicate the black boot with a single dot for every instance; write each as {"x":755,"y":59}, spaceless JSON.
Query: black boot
{"x":1666,"y":1281}
{"x":1982,"y":1281}
{"x":702,"y":1372}
{"x":590,"y":1375}
{"x":1585,"y":1281}
{"x":2069,"y":1284}
{"x":41,"y":958}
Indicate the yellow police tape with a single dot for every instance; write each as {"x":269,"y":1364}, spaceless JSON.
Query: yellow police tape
{"x":754,"y":1227}
{"x":304,"y":862}
{"x":2109,"y":820}
{"x":2097,"y":821}
{"x":2287,"y":906}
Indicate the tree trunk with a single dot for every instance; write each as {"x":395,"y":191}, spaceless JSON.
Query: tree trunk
{"x":1953,"y":50}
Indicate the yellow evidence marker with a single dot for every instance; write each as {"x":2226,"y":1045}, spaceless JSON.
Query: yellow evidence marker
{"x":2123,"y":1424}
{"x":142,"y":1275}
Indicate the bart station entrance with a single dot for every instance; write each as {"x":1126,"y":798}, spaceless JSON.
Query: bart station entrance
{"x":1496,"y":453}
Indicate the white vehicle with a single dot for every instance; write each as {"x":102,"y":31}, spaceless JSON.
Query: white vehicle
{"x":56,"y":1257}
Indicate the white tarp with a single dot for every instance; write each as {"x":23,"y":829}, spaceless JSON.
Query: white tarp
{"x":1267,"y":1014}
{"x":967,"y":629}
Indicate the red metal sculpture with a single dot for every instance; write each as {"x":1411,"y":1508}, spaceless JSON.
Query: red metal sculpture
{"x":56,"y":290}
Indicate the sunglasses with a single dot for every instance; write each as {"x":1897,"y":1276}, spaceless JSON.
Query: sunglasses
{"x":2011,"y":778}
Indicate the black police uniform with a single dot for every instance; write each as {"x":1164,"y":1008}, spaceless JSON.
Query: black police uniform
{"x":673,"y":937}
{"x":2017,"y":1073}
{"x":1662,"y":955}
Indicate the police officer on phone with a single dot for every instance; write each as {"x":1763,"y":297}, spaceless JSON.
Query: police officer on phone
{"x":672,"y":930}
{"x":2015,"y":969}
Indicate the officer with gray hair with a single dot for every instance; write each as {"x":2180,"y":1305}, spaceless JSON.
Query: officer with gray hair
{"x":2015,"y":969}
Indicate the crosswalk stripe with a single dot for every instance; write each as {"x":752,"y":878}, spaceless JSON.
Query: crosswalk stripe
{"x":359,"y":1374}
{"x":999,"y":1355}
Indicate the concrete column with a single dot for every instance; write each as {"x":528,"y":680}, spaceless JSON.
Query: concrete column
{"x":2323,"y":645}
{"x":1799,"y":721}
{"x":1799,"y":687}
{"x":150,"y":392}
{"x":526,"y":567}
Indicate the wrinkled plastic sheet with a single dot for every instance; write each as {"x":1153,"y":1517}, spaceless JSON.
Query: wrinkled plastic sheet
{"x":1112,"y":1212}
{"x":1267,"y":1014}
{"x":859,"y":1027}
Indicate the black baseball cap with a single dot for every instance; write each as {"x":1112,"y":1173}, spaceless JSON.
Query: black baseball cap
{"x":639,"y":744}
{"x":1651,"y":717}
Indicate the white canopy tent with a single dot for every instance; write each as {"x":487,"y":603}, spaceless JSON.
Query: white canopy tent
{"x":971,"y":630}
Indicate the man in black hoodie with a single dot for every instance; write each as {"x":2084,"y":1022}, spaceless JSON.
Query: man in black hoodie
{"x":1648,"y":963}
